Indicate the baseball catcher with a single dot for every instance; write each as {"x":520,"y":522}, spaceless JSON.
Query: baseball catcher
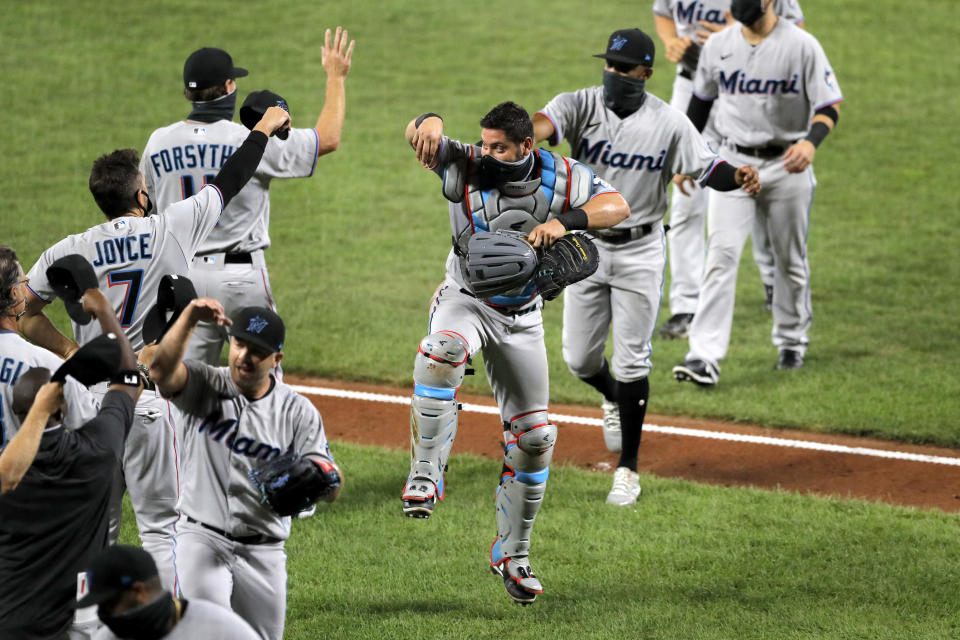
{"x":290,"y":483}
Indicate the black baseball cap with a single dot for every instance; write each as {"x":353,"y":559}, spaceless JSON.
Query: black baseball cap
{"x":115,"y":570}
{"x":209,"y":67}
{"x":69,"y":277}
{"x":173,"y":295}
{"x":631,"y":46}
{"x":259,"y":326}
{"x":94,"y":362}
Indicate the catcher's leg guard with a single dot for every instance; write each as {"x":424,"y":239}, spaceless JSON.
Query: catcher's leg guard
{"x":522,"y":485}
{"x":437,"y":374}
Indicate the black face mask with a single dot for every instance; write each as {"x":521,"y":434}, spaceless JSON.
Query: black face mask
{"x":622,"y":94}
{"x":495,"y":172}
{"x":747,"y":11}
{"x":220,"y":109}
{"x":149,"y":208}
{"x":146,"y":622}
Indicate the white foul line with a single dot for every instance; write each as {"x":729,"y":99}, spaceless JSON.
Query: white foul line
{"x":676,"y":431}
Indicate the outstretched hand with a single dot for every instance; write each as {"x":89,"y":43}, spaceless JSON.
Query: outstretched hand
{"x":336,"y":57}
{"x":208,"y":310}
{"x":426,"y":141}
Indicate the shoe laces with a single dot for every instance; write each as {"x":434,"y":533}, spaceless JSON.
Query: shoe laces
{"x":623,"y":480}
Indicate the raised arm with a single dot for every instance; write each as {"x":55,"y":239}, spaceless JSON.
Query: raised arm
{"x":241,"y":166}
{"x":22,"y":448}
{"x":167,"y":369}
{"x":38,"y":329}
{"x":425,"y":133}
{"x":96,"y":304}
{"x":336,"y":58}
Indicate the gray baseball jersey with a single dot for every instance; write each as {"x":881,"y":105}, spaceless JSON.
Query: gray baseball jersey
{"x":225,"y":435}
{"x":770,"y":90}
{"x":766,"y":95}
{"x":182,"y":157}
{"x":201,"y":619}
{"x":687,"y":15}
{"x":18,"y":356}
{"x":688,"y":212}
{"x":638,"y":154}
{"x":130,"y":255}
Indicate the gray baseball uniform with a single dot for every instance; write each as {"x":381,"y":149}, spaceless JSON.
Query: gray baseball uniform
{"x":508,"y":329}
{"x":130,"y":255}
{"x":685,"y":242}
{"x":202,"y":620}
{"x":765,"y":98}
{"x":229,"y":544}
{"x":639,"y":155}
{"x":229,"y":266}
{"x":18,"y":356}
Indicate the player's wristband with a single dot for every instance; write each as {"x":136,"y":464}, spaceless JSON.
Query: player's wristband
{"x":573,"y":220}
{"x":130,"y":377}
{"x":817,"y":133}
{"x":423,"y":117}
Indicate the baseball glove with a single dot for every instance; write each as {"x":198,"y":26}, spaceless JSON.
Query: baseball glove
{"x":571,"y":259}
{"x":290,"y":483}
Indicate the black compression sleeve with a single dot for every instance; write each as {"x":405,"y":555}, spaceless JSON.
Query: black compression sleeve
{"x":698,"y":111}
{"x":723,"y":177}
{"x":240,"y":166}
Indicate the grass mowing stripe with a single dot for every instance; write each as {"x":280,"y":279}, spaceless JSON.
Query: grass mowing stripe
{"x":366,"y":396}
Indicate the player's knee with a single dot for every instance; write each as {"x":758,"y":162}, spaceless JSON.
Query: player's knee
{"x":580,"y":363}
{"x":532,"y":447}
{"x":440,"y":365}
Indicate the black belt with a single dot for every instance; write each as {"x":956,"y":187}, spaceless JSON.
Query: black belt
{"x":770,"y":151}
{"x":504,"y":310}
{"x":623,"y":236}
{"x":686,"y":73}
{"x":258,"y":538}
{"x":238,"y":258}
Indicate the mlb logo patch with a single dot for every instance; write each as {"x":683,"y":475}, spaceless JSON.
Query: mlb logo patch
{"x":119,"y":224}
{"x":199,"y":131}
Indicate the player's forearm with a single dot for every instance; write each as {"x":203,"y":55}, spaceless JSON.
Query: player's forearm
{"x":241,"y":166}
{"x":38,"y":329}
{"x":543,"y":129}
{"x":666,"y":28}
{"x":606,"y":210}
{"x":19,"y":453}
{"x":109,"y":323}
{"x":330,"y":123}
{"x":169,"y":356}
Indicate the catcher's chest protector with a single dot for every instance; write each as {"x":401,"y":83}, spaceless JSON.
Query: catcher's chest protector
{"x":558,"y":184}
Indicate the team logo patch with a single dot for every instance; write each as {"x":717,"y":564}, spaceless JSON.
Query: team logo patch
{"x":257,"y":324}
{"x":828,"y":78}
{"x":617,"y":43}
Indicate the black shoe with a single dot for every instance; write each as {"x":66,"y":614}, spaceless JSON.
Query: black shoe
{"x":696,"y":371}
{"x":678,"y":326}
{"x":768,"y":297}
{"x":789,"y":359}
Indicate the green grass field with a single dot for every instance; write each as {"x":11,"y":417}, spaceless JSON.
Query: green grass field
{"x":690,"y":561}
{"x":359,"y":249}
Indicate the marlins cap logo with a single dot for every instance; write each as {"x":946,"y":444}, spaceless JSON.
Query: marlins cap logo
{"x":257,"y":324}
{"x":617,"y":43}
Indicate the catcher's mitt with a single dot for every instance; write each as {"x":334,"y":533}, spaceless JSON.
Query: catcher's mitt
{"x":571,"y":259}
{"x":291,"y":483}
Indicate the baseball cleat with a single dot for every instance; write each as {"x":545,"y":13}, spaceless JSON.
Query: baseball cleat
{"x":698,"y":371}
{"x":789,"y":359}
{"x":518,"y":579}
{"x":612,"y":435}
{"x":419,"y":497}
{"x":626,"y":488}
{"x":768,"y":297}
{"x":678,"y":326}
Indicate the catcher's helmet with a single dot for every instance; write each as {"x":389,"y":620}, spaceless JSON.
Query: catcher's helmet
{"x":498,"y":262}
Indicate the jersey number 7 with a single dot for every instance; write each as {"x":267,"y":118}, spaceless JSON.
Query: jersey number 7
{"x":133,"y":279}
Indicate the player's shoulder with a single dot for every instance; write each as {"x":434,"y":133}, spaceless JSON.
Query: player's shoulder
{"x":13,"y":345}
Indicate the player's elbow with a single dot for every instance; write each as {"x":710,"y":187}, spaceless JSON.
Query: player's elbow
{"x":327,"y":143}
